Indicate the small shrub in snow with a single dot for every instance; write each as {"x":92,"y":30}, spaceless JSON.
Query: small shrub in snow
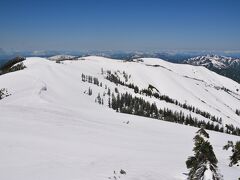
{"x":122,"y":171}
{"x":117,"y":175}
{"x":238,"y":112}
{"x":4,"y":93}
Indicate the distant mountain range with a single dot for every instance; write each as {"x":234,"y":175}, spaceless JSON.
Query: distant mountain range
{"x":226,"y":66}
{"x":176,"y":56}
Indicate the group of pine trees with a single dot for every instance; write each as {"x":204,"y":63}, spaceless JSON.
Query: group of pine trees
{"x":115,"y":79}
{"x":126,"y":103}
{"x":91,"y":79}
{"x":12,"y":65}
{"x":230,"y":129}
{"x":149,"y":92}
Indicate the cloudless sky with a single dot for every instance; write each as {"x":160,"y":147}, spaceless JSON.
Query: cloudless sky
{"x":119,"y":24}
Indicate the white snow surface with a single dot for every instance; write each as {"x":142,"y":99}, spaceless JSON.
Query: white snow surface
{"x":62,"y":57}
{"x":51,"y":130}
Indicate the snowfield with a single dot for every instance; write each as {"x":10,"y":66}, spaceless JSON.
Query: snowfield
{"x":51,"y":130}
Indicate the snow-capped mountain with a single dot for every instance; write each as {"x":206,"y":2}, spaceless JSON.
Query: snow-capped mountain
{"x":59,"y":120}
{"x":226,"y":66}
{"x":209,"y":61}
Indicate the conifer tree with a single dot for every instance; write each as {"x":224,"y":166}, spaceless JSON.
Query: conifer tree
{"x":114,"y":102}
{"x":203,"y":165}
{"x":99,"y":99}
{"x":89,"y":91}
{"x":235,"y":157}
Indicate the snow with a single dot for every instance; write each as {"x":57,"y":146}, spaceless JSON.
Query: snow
{"x":50,"y":129}
{"x":208,"y":174}
{"x":62,"y":57}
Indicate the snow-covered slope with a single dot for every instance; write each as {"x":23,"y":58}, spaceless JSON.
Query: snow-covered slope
{"x":51,"y":129}
{"x":62,"y":57}
{"x":220,"y":62}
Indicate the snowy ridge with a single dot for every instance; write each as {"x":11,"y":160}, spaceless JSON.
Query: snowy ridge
{"x":220,"y":62}
{"x":51,"y":129}
{"x":62,"y":57}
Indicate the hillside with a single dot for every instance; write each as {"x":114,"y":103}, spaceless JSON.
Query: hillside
{"x":54,"y":128}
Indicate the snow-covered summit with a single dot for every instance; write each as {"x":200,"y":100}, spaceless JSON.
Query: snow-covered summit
{"x":209,"y":61}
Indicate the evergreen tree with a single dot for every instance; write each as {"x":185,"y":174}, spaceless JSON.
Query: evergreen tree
{"x":1,"y":93}
{"x":114,"y":102}
{"x":235,"y":157}
{"x":238,"y":112}
{"x":136,"y":89}
{"x":99,"y":99}
{"x":109,"y":102}
{"x":83,"y":77}
{"x":109,"y":92}
{"x":89,"y":91}
{"x":204,"y":160}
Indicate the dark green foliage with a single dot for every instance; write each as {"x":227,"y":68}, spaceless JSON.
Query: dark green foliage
{"x":141,"y":107}
{"x":126,"y":103}
{"x":203,"y":133}
{"x":95,"y":81}
{"x":83,"y":77}
{"x":136,"y":90}
{"x":238,"y":112}
{"x":17,"y":67}
{"x":230,"y":129}
{"x":91,"y":79}
{"x":108,"y":92}
{"x":235,"y":157}
{"x":9,"y":66}
{"x":151,"y":87}
{"x":203,"y":159}
{"x":114,"y":102}
{"x":123,"y":172}
{"x":149,"y":92}
{"x":115,"y":79}
{"x":116,"y":90}
{"x":4,"y":93}
{"x":89,"y":91}
{"x":98,"y":99}
{"x":1,"y":93}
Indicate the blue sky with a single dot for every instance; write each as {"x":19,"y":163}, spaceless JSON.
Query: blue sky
{"x":120,"y":25}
